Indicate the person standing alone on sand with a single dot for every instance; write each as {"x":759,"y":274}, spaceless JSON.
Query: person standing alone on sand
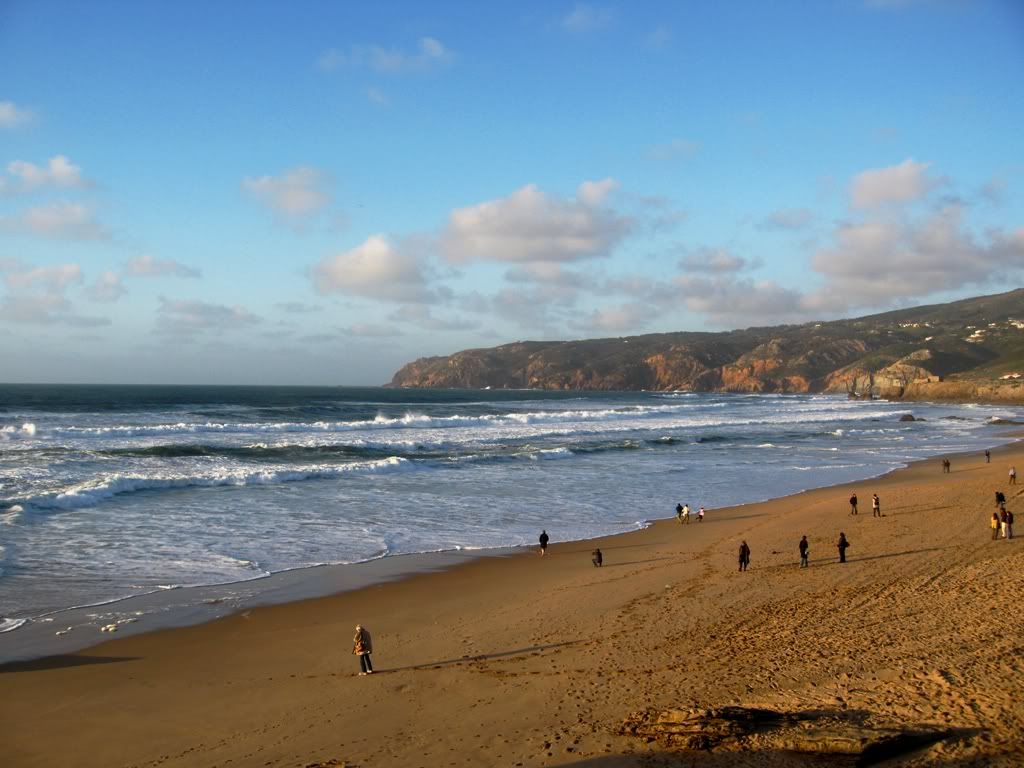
{"x":853,"y":504}
{"x":945,"y":466}
{"x":876,"y":506}
{"x":803,"y":552}
{"x":744,"y":556}
{"x":597,"y":558}
{"x":842,"y":545}
{"x":362,"y":646}
{"x":988,"y":455}
{"x":1000,"y":499}
{"x":1009,"y":524}
{"x":543,"y":543}
{"x":1013,"y":475}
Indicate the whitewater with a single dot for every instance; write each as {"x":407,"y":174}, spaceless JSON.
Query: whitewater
{"x":112,"y":492}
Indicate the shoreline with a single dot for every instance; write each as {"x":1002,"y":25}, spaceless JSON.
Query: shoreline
{"x":523,"y":659}
{"x":73,"y":629}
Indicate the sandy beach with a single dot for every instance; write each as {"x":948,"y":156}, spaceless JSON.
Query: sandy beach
{"x":531,"y":661}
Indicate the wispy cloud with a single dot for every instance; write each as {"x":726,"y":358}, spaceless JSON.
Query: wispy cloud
{"x":150,"y":266}
{"x":185,"y":317}
{"x":295,"y":196}
{"x":529,"y":225}
{"x":430,"y":53}
{"x":904,"y":183}
{"x":787,"y":218}
{"x":673,"y":151}
{"x":66,"y":221}
{"x":375,"y":269}
{"x":107,"y":288}
{"x":13,"y":116}
{"x":584,"y":18}
{"x":59,"y":172}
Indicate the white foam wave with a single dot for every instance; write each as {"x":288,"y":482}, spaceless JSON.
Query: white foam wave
{"x":90,"y":493}
{"x":28,"y":429}
{"x":6,"y":625}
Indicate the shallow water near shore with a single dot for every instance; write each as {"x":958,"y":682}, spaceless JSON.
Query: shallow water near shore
{"x":159,"y":494}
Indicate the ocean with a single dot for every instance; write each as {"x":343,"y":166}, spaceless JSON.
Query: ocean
{"x":109,"y":494}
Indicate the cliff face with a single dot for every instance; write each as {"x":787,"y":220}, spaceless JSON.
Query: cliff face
{"x":964,"y":346}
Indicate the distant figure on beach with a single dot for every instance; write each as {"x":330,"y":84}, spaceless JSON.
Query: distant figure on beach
{"x":679,"y":512}
{"x":543,"y":543}
{"x":362,"y":646}
{"x":842,"y":545}
{"x":945,"y":466}
{"x":1009,"y":524}
{"x":988,"y":456}
{"x":1013,"y":475}
{"x":853,"y":504}
{"x":700,"y":515}
{"x":744,"y":556}
{"x":996,"y":525}
{"x":1000,"y":499}
{"x":803,"y":552}
{"x":686,"y":513}
{"x":876,"y":506}
{"x":597,"y":558}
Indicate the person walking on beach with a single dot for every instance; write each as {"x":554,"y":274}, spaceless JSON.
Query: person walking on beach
{"x":1000,"y":499}
{"x":744,"y":556}
{"x":803,"y":552}
{"x":597,"y":558}
{"x":842,"y":545}
{"x":945,"y":466}
{"x":988,"y":455}
{"x":700,"y":515}
{"x":362,"y":646}
{"x":876,"y":506}
{"x":1013,"y":475}
{"x":686,"y":513}
{"x":679,"y":513}
{"x":853,"y":504}
{"x":1002,"y":521}
{"x":996,"y":524}
{"x":1009,"y":524}
{"x":543,"y":543}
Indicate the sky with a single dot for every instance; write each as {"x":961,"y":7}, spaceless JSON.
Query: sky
{"x":320,"y":192}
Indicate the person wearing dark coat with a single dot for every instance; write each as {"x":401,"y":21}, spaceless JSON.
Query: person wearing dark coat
{"x":803,"y":552}
{"x":853,"y":504}
{"x":842,"y":545}
{"x":744,"y":556}
{"x":1000,"y":499}
{"x":543,"y":542}
{"x":362,"y":646}
{"x":597,"y":558}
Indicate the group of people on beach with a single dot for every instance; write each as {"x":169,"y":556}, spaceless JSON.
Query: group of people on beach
{"x":876,"y":505}
{"x":1002,"y":519}
{"x":683,"y":513}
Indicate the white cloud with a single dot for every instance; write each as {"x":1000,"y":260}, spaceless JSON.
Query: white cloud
{"x":182,"y":317}
{"x":531,"y":226}
{"x":430,"y":53}
{"x":713,"y":260}
{"x":58,"y":172}
{"x":423,"y":318}
{"x":107,"y":288}
{"x":903,"y":183}
{"x":297,"y":307}
{"x":150,"y":266}
{"x":876,"y":261}
{"x":728,"y":301}
{"x":12,"y":116}
{"x":68,"y":221}
{"x":672,"y":151}
{"x":375,"y":269}
{"x":50,"y":279}
{"x":586,"y":18}
{"x":296,"y":195}
{"x":373,"y":330}
{"x":625,"y":318}
{"x":594,"y":193}
{"x":787,"y":218}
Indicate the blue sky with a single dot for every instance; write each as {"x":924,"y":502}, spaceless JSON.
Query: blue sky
{"x":319,"y":192}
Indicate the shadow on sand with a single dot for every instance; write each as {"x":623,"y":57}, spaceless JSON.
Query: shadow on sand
{"x":61,"y":662}
{"x":480,"y":657}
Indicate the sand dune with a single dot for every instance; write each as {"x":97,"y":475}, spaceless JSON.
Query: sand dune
{"x":536,"y":661}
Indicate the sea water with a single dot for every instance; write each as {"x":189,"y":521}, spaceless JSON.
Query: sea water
{"x":108,"y":492}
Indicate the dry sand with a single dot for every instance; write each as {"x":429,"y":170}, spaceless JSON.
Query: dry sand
{"x":536,"y":661}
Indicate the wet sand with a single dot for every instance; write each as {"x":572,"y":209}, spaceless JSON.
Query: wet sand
{"x":534,"y":661}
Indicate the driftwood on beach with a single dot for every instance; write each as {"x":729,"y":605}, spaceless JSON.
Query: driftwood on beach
{"x":833,"y":733}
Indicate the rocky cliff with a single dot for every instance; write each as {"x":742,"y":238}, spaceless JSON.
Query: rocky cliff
{"x":966,"y":350}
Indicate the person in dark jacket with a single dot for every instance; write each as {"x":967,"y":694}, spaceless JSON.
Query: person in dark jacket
{"x":1000,"y":499}
{"x":876,"y":506}
{"x":543,"y":542}
{"x":597,"y":558}
{"x":744,"y":556}
{"x":362,"y":646}
{"x":803,"y":552}
{"x":842,"y":545}
{"x":853,"y":504}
